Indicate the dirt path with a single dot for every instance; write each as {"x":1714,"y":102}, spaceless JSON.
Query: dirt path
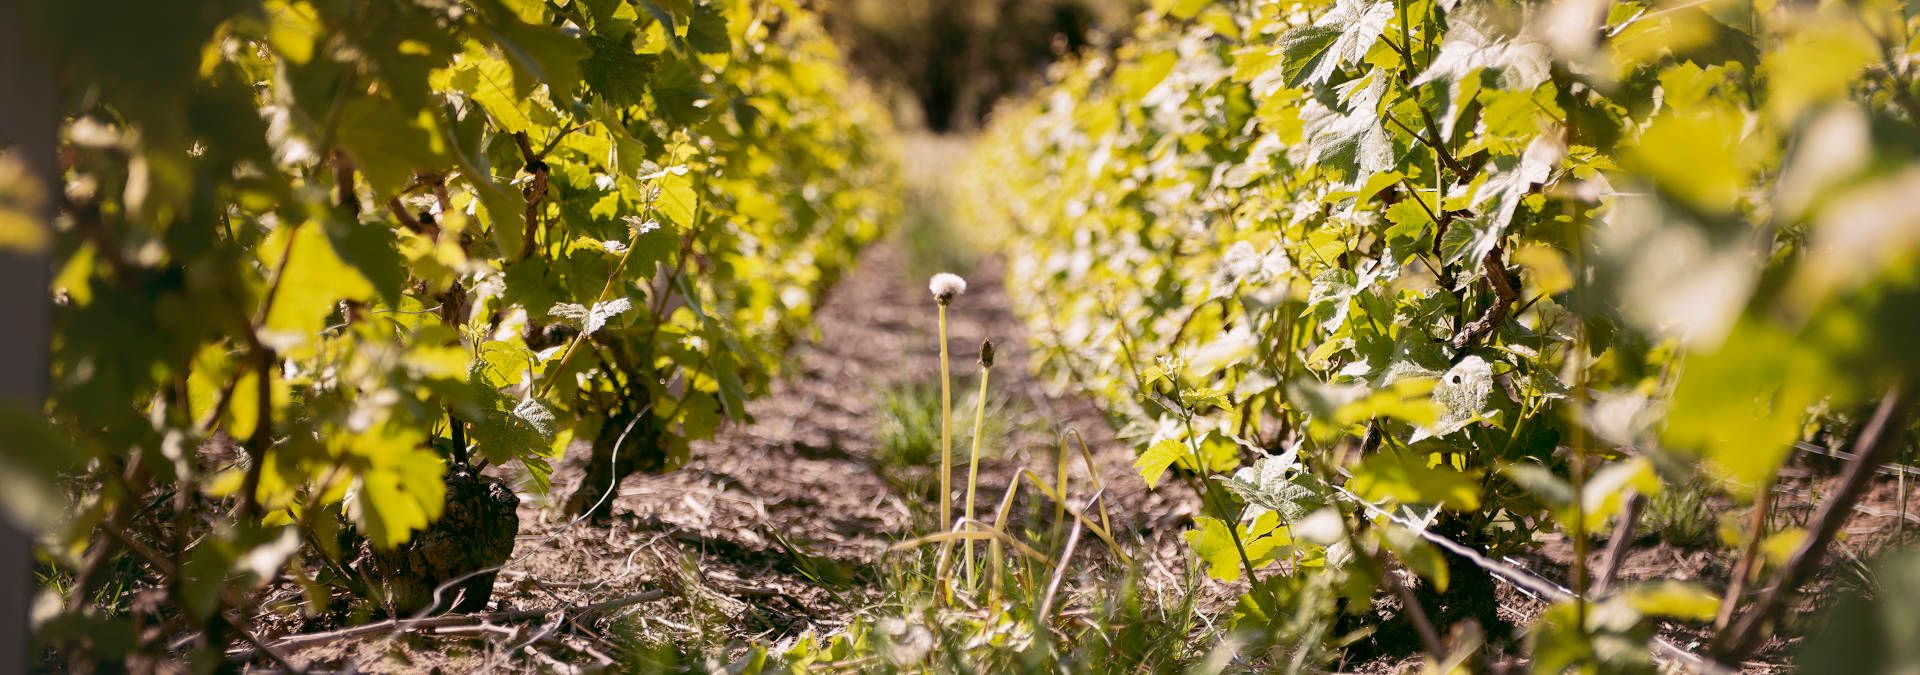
{"x":780,"y":526}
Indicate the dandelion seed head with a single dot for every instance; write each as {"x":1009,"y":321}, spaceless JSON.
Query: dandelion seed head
{"x":946,"y":286}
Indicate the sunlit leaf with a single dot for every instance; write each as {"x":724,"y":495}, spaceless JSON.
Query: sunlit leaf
{"x":1408,"y":478}
{"x":1340,"y":36}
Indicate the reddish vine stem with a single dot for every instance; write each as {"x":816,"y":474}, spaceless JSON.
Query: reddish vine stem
{"x":452,"y":307}
{"x":1504,"y":294}
{"x":1743,"y":569}
{"x":1876,"y":442}
{"x":421,"y":226}
{"x":535,"y":193}
{"x":1617,"y":546}
{"x":343,"y":195}
{"x":262,"y":438}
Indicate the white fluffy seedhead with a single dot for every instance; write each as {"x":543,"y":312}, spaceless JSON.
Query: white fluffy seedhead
{"x":946,"y":286}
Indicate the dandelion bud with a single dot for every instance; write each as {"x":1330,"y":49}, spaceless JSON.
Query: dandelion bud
{"x":946,"y":286}
{"x":986,"y":353}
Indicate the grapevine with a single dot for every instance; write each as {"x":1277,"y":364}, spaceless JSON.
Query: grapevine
{"x":1495,"y":267}
{"x":377,"y":252}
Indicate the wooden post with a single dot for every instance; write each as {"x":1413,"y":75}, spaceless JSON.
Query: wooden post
{"x":29,"y":128}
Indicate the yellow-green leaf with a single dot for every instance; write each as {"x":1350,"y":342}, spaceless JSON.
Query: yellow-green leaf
{"x":1409,"y":478}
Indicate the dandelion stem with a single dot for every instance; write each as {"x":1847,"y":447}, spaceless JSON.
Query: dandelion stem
{"x":973,"y":462}
{"x":946,"y":429}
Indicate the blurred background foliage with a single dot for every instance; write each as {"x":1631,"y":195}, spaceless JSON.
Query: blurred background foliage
{"x":946,"y":61}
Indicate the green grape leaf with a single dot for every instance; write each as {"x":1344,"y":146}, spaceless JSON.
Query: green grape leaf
{"x":404,"y":43}
{"x":1331,"y":297}
{"x":591,"y":319}
{"x":1138,"y":77}
{"x":502,"y":364}
{"x":311,"y":286}
{"x":30,"y":467}
{"x":1355,"y":142}
{"x":388,"y":144}
{"x":1672,"y":276}
{"x":1675,"y":599}
{"x":616,"y":72}
{"x":1342,"y":35}
{"x":1698,"y":157}
{"x":1820,"y":62}
{"x":370,"y":250}
{"x":1185,"y":9}
{"x":532,"y":284}
{"x":489,"y":82}
{"x":512,"y":429}
{"x":1464,"y":394}
{"x":707,"y":30}
{"x":292,"y":29}
{"x":203,"y":574}
{"x":1779,"y":546}
{"x":1557,"y":641}
{"x":398,"y":489}
{"x":1421,"y":556}
{"x":540,"y":54}
{"x":1333,"y":409}
{"x":1523,"y":64}
{"x":1278,"y":485}
{"x":1153,"y":463}
{"x":1607,"y":489}
{"x":1213,"y":543}
{"x":1871,"y":631}
{"x":1408,"y":479}
{"x":1513,"y":179}
{"x":677,"y":201}
{"x":1461,"y":237}
{"x":677,"y":90}
{"x":243,"y":409}
{"x":1741,"y":405}
{"x":1541,"y":482}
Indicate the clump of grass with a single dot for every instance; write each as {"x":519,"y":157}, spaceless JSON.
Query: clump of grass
{"x":909,"y":440}
{"x":1049,"y":604}
{"x":1681,"y":517}
{"x":909,"y":414}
